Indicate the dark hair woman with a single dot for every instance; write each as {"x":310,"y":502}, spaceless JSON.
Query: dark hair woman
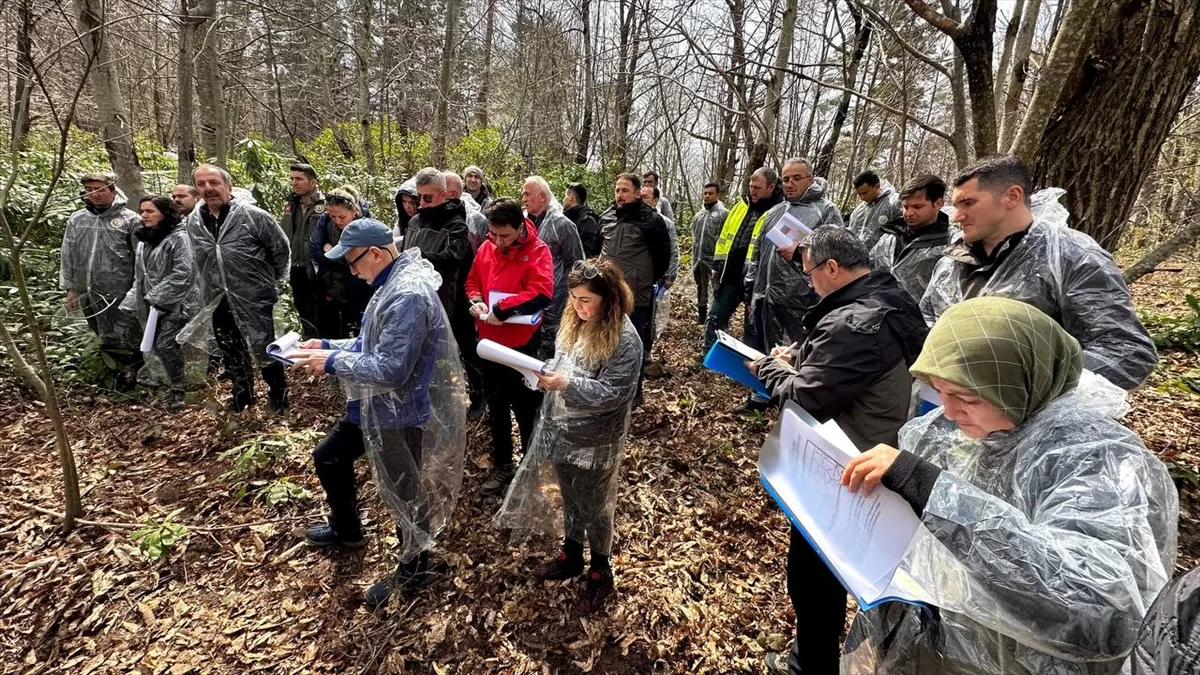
{"x":575,"y":455}
{"x":341,"y":296}
{"x":165,"y":290}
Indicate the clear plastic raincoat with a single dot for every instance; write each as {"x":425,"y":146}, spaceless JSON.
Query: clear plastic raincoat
{"x":244,"y":263}
{"x":705,"y":230}
{"x":1041,"y":549}
{"x":567,"y":481}
{"x":867,"y":220}
{"x":1067,"y":275}
{"x":97,"y":263}
{"x":404,"y":375}
{"x":561,"y":235}
{"x":780,"y":284}
{"x":477,"y":224}
{"x":164,"y":278}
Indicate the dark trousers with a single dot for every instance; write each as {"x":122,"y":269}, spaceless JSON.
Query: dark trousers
{"x":235,"y":356}
{"x":643,"y":323}
{"x":726,"y":298}
{"x":507,"y":395}
{"x":820,"y":605}
{"x":589,"y":502}
{"x":337,"y":320}
{"x":304,"y":296}
{"x":334,"y":460}
{"x":702,"y":275}
{"x":169,"y":351}
{"x":462,"y":325}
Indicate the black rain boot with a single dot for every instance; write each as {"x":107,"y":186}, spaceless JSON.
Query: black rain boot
{"x":566,"y":565}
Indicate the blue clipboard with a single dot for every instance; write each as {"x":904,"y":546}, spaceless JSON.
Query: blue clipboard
{"x":723,"y":360}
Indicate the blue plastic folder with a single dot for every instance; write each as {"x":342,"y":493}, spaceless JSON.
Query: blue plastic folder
{"x":728,"y":357}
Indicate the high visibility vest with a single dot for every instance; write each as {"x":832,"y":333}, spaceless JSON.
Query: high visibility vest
{"x":733,"y":223}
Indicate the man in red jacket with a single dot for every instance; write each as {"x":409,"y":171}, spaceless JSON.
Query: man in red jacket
{"x":513,"y":275}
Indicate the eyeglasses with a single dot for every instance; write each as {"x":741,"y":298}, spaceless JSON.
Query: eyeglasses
{"x":426,"y":199}
{"x":589,"y":270}
{"x":354,"y":262}
{"x":808,"y":272}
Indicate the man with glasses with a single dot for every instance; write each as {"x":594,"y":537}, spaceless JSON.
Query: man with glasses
{"x":852,"y":367}
{"x":406,"y":409}
{"x":97,"y":270}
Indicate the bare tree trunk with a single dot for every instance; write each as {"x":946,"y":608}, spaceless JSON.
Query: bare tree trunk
{"x":362,"y":56}
{"x":110,"y":104}
{"x":24,"y":77}
{"x":210,"y":89}
{"x":1073,"y":36}
{"x":589,"y":84}
{"x":273,"y":66}
{"x":627,"y":55}
{"x":1010,"y":37}
{"x":485,"y":87}
{"x":441,"y":124}
{"x":973,"y":38}
{"x":185,"y":141}
{"x":1121,"y":103}
{"x":765,"y":144}
{"x":862,"y":31}
{"x":1010,"y":101}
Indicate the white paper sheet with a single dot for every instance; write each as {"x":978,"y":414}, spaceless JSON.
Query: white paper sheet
{"x":525,"y":364}
{"x":788,"y":231}
{"x":150,"y":332}
{"x":863,"y":539}
{"x":523,"y":319}
{"x":739,"y":347}
{"x":284,"y":349}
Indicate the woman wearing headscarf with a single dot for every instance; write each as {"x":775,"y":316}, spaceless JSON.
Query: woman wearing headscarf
{"x":164,"y":280}
{"x":1048,"y":526}
{"x":567,"y":482}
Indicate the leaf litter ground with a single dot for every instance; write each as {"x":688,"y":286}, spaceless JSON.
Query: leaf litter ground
{"x":700,"y":553}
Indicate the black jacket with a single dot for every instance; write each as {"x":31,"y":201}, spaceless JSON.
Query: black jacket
{"x":733,"y":269}
{"x":853,"y":367}
{"x":1169,"y":642}
{"x":637,"y":240}
{"x":588,"y":224}
{"x":440,"y":233}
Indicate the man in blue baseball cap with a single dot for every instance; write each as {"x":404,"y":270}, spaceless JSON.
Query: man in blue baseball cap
{"x":406,"y":406}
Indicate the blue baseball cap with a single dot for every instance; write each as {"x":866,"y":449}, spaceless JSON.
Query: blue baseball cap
{"x":361,"y":233}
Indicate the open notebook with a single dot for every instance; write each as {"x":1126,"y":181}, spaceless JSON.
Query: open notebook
{"x":862,"y":539}
{"x":284,"y":349}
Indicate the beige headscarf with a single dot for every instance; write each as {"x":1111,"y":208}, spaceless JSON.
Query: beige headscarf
{"x":1005,"y":351}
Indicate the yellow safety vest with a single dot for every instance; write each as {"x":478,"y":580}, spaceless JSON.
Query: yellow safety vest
{"x":729,"y":231}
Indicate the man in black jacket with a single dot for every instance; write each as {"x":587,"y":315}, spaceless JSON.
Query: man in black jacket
{"x":439,"y":231}
{"x":586,"y":222}
{"x":636,"y":238}
{"x":863,"y":335}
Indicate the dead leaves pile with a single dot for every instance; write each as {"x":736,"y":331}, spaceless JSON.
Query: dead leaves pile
{"x":700,"y":553}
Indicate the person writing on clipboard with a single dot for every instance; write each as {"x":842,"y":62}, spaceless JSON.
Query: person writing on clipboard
{"x":852,"y":367}
{"x":406,"y":406}
{"x":510,"y":283}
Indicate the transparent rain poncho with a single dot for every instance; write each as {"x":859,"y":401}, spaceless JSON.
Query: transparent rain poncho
{"x":164,"y":278}
{"x":1041,"y":549}
{"x":245,"y":265}
{"x":705,"y":230}
{"x":567,"y":481}
{"x":780,"y":284}
{"x":662,"y":295}
{"x":97,"y":263}
{"x":404,"y":373}
{"x":1067,"y":275}
{"x":561,"y":235}
{"x":867,"y":219}
{"x":477,"y":224}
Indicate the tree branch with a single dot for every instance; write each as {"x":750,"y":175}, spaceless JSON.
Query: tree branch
{"x":939,"y":21}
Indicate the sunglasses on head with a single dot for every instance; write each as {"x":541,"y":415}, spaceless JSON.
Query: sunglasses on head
{"x":589,"y":270}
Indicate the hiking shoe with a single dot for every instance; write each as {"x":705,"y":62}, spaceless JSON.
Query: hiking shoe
{"x":175,"y":401}
{"x":559,"y":568}
{"x":599,"y":587}
{"x":324,"y":535}
{"x":498,"y":482}
{"x":278,"y":402}
{"x":751,"y":406}
{"x":407,"y":576}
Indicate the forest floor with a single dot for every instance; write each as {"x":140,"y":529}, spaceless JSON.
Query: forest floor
{"x":699,"y":558}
